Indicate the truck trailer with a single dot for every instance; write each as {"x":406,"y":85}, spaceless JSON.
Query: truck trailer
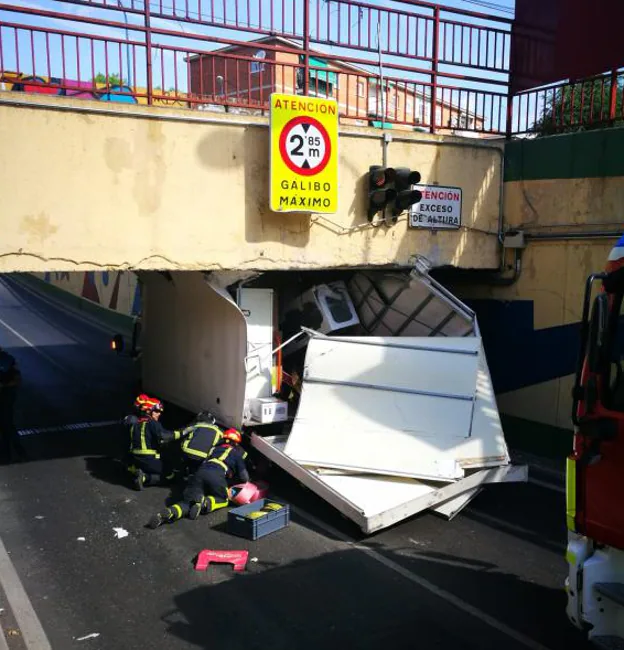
{"x":391,"y":410}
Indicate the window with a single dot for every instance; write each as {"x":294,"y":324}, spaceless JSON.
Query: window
{"x":258,"y":66}
{"x":321,"y":88}
{"x":418,"y":113}
{"x":409,"y":108}
{"x":321,"y":82}
{"x":360,"y":88}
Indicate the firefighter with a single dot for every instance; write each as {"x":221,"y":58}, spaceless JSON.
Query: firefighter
{"x":199,"y":440}
{"x":207,"y":490}
{"x":10,"y":378}
{"x":147,"y":436}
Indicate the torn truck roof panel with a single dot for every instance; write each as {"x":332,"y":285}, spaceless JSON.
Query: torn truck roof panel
{"x":412,"y":407}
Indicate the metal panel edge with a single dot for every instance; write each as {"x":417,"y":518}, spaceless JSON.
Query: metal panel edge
{"x":307,"y":478}
{"x":507,"y":474}
{"x":451,"y":508}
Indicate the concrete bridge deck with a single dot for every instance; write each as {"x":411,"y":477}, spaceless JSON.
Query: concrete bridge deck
{"x":93,"y":187}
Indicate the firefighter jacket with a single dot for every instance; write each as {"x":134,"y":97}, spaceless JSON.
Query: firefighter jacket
{"x":231,"y":459}
{"x":200,"y":439}
{"x":147,"y":436}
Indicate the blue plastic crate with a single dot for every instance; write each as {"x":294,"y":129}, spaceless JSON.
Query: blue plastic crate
{"x":242,"y":525}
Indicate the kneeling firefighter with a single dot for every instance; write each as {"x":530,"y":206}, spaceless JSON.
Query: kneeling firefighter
{"x":207,"y":490}
{"x":200,"y":438}
{"x":147,"y":436}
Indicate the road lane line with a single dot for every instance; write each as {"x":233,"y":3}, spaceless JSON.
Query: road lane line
{"x":548,"y":486}
{"x":30,"y":627}
{"x":34,"y":347}
{"x":3,"y":641}
{"x":425,"y":584}
{"x":553,"y":546}
{"x":67,"y":427}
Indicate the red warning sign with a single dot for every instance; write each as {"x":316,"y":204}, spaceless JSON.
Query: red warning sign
{"x":305,"y":146}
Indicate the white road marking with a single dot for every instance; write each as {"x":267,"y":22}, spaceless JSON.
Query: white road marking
{"x":549,"y":486}
{"x":34,"y":347}
{"x":557,"y":548}
{"x":425,"y":584}
{"x":67,"y":427}
{"x":438,"y":560}
{"x":3,"y":641}
{"x":32,"y":632}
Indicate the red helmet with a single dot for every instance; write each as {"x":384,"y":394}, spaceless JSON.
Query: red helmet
{"x":145,"y":404}
{"x":233,"y":435}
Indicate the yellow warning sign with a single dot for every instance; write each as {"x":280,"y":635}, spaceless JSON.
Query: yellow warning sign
{"x":304,"y":154}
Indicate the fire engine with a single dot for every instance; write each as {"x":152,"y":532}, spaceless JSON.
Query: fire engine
{"x":595,"y":468}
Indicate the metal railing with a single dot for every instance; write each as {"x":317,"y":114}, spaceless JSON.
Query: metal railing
{"x":559,"y":108}
{"x":405,"y":64}
{"x":408,"y":64}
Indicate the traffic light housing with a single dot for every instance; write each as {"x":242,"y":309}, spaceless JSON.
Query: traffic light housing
{"x":404,"y":178}
{"x":389,"y":186}
{"x":380,"y":190}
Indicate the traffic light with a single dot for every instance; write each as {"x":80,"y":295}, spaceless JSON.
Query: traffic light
{"x":404,"y":178}
{"x":379,"y":191}
{"x":391,"y":186}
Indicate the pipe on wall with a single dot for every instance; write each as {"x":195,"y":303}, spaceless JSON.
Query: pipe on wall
{"x":573,"y":236}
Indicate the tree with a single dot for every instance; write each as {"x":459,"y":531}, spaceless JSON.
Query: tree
{"x":582,"y":106}
{"x":112,"y":80}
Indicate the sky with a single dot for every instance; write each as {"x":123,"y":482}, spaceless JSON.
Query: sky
{"x":405,"y":37}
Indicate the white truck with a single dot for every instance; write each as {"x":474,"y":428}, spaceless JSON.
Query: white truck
{"x":396,"y":413}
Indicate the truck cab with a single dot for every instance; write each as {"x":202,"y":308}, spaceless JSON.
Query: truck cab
{"x":594,"y":471}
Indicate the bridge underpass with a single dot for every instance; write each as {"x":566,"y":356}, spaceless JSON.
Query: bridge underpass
{"x":61,"y":507}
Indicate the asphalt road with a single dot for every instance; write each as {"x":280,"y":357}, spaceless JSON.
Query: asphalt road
{"x":491,"y":578}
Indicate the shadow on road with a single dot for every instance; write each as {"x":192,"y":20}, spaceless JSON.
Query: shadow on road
{"x":346,"y":599}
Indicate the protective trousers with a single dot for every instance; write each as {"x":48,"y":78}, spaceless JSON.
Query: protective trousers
{"x":151,"y":467}
{"x":207,"y":487}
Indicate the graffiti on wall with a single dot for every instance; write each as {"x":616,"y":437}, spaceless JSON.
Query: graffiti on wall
{"x":116,"y":290}
{"x":111,"y":92}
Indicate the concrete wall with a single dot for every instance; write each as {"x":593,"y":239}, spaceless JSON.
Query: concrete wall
{"x":561,"y":185}
{"x":112,"y":191}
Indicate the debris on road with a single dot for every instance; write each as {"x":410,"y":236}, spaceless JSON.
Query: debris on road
{"x":237,"y":558}
{"x":93,"y":635}
{"x":121,"y":532}
{"x":39,"y":517}
{"x":80,"y":539}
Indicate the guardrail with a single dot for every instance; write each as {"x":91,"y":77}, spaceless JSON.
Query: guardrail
{"x":408,"y":64}
{"x":560,"y":108}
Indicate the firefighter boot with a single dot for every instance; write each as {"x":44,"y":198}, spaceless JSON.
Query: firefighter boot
{"x":195,"y":510}
{"x":139,"y":480}
{"x":162,"y":517}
